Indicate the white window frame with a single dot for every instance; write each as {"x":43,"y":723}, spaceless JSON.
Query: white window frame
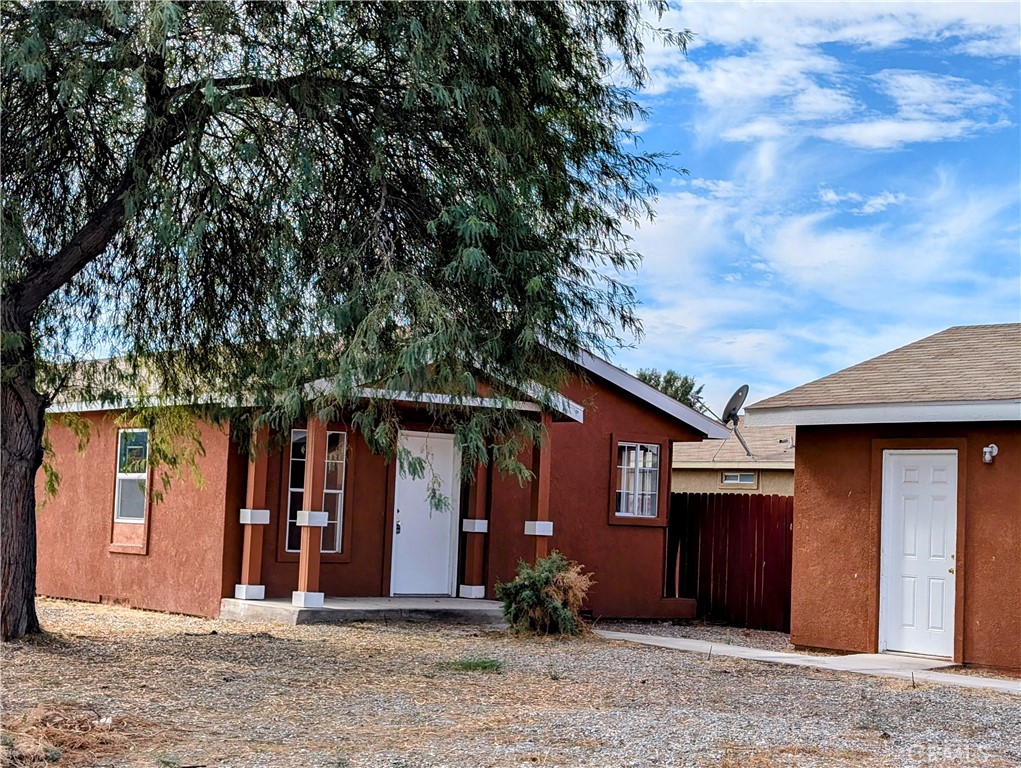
{"x":143,"y":476}
{"x":637,"y":469}
{"x":292,"y":514}
{"x":339,"y":521}
{"x":738,"y":482}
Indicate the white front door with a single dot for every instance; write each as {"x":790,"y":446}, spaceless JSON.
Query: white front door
{"x":919,"y":556}
{"x":425,"y":535}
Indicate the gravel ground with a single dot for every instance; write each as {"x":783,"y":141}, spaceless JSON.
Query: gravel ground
{"x":114,"y":687}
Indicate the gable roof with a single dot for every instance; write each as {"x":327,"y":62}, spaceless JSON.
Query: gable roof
{"x":652,"y":396}
{"x":772,"y":448}
{"x":965,"y":373}
{"x":564,"y":407}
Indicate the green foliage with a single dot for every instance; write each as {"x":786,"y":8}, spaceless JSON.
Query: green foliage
{"x":680,"y":388}
{"x":174,"y":447}
{"x":546,"y":597}
{"x":475,"y":664}
{"x":238,"y":199}
{"x":80,"y":427}
{"x":175,"y":443}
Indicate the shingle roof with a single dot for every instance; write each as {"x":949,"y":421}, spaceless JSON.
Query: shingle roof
{"x":968,"y":363}
{"x":764,"y":443}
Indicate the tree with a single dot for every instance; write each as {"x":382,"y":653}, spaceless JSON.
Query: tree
{"x":680,"y":388}
{"x":239,"y":198}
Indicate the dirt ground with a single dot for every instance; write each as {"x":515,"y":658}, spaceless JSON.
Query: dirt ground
{"x":114,"y":687}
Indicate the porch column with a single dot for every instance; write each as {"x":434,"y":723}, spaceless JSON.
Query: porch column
{"x":476,"y":526}
{"x":254,"y":518}
{"x":311,"y":519}
{"x":540,"y":525}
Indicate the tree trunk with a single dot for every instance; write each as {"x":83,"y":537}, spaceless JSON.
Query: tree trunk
{"x":21,"y":440}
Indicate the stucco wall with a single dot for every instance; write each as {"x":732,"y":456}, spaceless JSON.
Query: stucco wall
{"x":836,"y":558}
{"x":626,"y":560}
{"x":772,"y":482}
{"x":194,"y":540}
{"x":183,"y":543}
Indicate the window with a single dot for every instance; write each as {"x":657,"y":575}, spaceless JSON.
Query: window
{"x":637,"y":480}
{"x":295,"y":488}
{"x":333,"y":490}
{"x":132,"y":473}
{"x":743,"y":479}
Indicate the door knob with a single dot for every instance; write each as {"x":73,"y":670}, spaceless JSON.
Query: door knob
{"x":398,"y":527}
{"x":950,"y":570}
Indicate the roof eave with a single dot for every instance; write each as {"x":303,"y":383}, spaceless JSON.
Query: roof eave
{"x":738,"y":464}
{"x":634,"y":386}
{"x":885,"y":413}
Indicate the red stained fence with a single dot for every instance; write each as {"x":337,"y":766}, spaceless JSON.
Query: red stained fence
{"x":731,"y":552}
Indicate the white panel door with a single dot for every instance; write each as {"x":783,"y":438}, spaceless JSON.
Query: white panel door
{"x":424,"y":537}
{"x":918,"y":568}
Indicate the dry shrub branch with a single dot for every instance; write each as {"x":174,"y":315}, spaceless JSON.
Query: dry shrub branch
{"x":546,"y":598}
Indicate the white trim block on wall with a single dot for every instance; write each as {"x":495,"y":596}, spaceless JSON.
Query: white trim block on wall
{"x":538,"y":528}
{"x":471,"y":525}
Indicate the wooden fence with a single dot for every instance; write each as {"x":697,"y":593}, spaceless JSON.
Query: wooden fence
{"x":731,"y":552}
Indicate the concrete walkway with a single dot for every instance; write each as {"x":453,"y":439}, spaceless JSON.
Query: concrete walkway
{"x":917,"y":668}
{"x":339,"y":610}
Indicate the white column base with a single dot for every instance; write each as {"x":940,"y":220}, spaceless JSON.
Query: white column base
{"x":472,"y":593}
{"x":307,"y":599}
{"x":249,"y":592}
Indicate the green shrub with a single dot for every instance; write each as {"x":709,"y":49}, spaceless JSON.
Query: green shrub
{"x":546,"y":597}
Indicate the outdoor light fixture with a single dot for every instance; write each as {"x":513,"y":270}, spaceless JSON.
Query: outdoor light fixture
{"x":989,"y":452}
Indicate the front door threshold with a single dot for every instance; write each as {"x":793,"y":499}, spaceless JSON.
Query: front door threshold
{"x":916,"y":655}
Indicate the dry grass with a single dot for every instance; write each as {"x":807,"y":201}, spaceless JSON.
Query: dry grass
{"x":115,"y":687}
{"x":69,"y":734}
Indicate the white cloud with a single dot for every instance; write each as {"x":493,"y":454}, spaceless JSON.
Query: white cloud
{"x":717,"y":187}
{"x":823,"y":224}
{"x":887,"y":133}
{"x":827,"y":195}
{"x":988,"y":27}
{"x":879,"y":203}
{"x":922,"y":95}
{"x":775,"y":76}
{"x":761,"y":128}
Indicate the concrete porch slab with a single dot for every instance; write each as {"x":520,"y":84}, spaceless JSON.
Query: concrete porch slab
{"x":340,"y":610}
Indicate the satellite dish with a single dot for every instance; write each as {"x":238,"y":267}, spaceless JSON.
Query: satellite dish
{"x":734,"y":404}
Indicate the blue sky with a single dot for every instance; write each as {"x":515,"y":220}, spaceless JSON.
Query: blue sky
{"x":854,"y":185}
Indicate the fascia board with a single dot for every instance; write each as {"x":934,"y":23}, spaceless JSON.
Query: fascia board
{"x":634,"y":386}
{"x":886,"y":413}
{"x":724,"y":465}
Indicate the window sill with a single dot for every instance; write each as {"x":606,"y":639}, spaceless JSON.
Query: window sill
{"x":645,"y":522}
{"x":325,"y":558}
{"x":128,"y":549}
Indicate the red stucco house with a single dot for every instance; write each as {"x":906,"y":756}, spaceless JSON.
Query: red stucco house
{"x":326,"y":516}
{"x":908,"y":500}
